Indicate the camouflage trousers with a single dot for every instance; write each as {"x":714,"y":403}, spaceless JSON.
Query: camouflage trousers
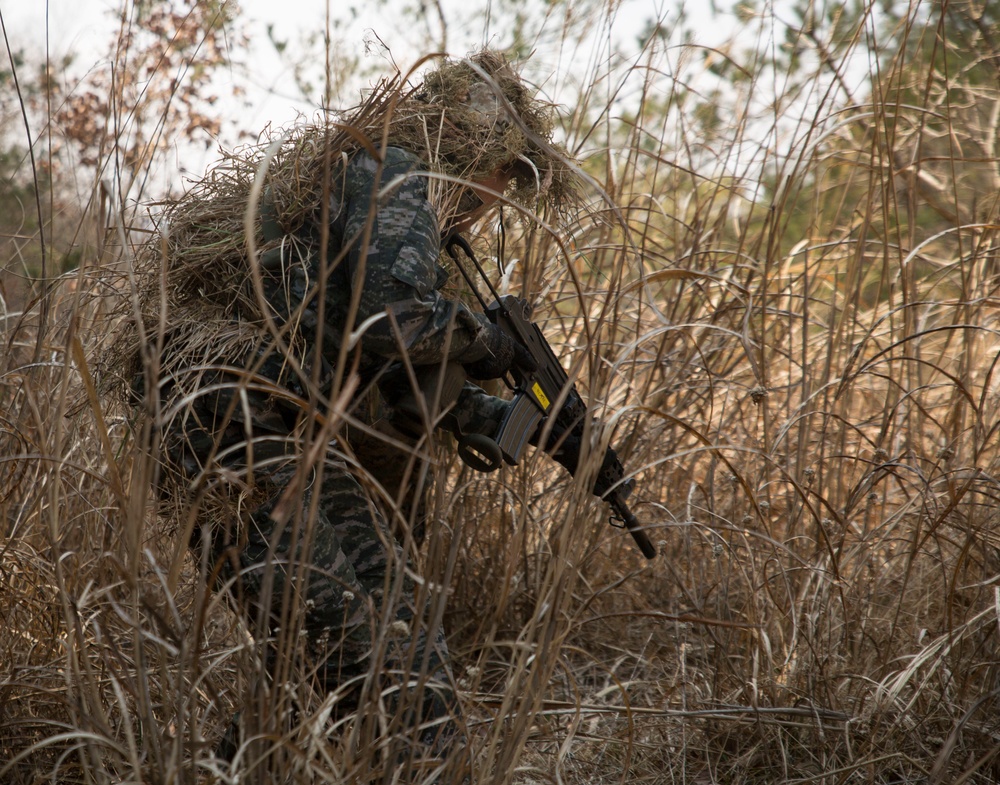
{"x":308,"y":548}
{"x":336,"y":560}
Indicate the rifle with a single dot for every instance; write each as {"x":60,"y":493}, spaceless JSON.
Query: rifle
{"x":539,"y":395}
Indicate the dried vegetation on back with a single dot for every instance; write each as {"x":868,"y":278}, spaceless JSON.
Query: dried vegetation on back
{"x":466,"y":119}
{"x":805,"y":383}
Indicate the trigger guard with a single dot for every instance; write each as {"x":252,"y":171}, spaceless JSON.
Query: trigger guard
{"x":480,"y":452}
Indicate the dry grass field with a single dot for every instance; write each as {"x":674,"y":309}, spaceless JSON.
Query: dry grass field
{"x":781,"y":300}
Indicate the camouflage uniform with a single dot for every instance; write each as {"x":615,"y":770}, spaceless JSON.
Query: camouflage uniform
{"x":327,"y":520}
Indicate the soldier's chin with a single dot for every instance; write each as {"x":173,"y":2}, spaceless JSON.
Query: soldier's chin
{"x":465,"y":222}
{"x":470,"y":209}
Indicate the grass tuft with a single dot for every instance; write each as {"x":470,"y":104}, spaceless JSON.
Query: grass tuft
{"x":786,"y":316}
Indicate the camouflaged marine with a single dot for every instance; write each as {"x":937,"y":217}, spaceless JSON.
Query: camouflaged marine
{"x":299,"y":423}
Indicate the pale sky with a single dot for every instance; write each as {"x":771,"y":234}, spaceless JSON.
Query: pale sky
{"x":85,"y":28}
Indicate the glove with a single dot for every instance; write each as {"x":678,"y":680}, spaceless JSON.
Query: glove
{"x":499,"y":352}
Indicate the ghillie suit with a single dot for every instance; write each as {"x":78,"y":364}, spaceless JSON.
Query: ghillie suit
{"x":290,"y":301}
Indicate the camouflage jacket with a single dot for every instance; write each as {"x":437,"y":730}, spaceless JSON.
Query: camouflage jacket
{"x":383,"y":234}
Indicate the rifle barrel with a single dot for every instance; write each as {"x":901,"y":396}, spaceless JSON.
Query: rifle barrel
{"x":621,"y":509}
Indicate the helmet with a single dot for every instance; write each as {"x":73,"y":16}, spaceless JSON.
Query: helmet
{"x":471,"y":118}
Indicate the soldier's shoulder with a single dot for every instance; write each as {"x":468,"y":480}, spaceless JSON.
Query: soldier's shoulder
{"x":397,"y":163}
{"x":396,"y":159}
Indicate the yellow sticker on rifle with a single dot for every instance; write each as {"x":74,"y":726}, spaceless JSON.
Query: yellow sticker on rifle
{"x":536,"y":388}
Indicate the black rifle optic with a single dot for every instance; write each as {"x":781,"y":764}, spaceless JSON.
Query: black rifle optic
{"x":541,"y":395}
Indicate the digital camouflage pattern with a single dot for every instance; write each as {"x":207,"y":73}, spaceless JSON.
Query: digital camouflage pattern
{"x":394,"y":257}
{"x":323,"y":527}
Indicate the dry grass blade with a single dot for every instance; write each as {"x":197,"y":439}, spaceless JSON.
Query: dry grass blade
{"x":780,"y":297}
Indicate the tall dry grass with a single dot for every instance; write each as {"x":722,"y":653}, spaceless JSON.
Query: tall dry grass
{"x":788,"y":323}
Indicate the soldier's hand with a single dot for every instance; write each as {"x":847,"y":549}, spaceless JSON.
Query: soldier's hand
{"x":501,"y":353}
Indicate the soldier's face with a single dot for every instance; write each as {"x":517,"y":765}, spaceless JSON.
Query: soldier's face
{"x":486,"y":191}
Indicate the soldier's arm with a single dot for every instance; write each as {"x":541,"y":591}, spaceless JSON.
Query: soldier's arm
{"x":400,"y":266}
